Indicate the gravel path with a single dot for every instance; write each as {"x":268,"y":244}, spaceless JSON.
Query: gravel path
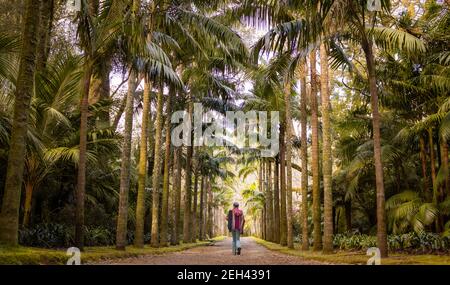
{"x":217,"y":254}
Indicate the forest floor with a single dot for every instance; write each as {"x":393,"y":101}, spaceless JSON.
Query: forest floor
{"x":214,"y":252}
{"x":357,"y":257}
{"x":219,"y":253}
{"x":33,"y":255}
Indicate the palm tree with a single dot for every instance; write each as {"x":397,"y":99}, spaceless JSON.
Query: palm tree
{"x":276,"y":199}
{"x":9,"y":217}
{"x":177,"y":223}
{"x":326,"y":152}
{"x":122,"y":217}
{"x":157,"y":169}
{"x":188,"y":182}
{"x":304,"y":155}
{"x":298,"y":34}
{"x":167,"y":162}
{"x":315,"y":153}
{"x":289,"y":136}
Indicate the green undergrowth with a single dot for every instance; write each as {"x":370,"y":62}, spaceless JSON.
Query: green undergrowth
{"x":34,"y":256}
{"x":357,"y":257}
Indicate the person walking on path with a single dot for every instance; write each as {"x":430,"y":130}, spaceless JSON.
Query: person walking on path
{"x":236,"y":227}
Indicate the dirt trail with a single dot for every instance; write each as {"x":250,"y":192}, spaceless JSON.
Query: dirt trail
{"x":218,"y":254}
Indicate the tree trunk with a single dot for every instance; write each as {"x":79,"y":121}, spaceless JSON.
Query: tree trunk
{"x":348,"y":215}
{"x":43,"y":40}
{"x":194,"y":226}
{"x":165,"y":194}
{"x":27,"y":206}
{"x":315,"y":154}
{"x":445,"y":164}
{"x":326,"y":153}
{"x":276,"y":200}
{"x":381,"y":213}
{"x":289,"y":137}
{"x":9,"y":217}
{"x":202,"y":206}
{"x":188,"y":194}
{"x":157,"y":170}
{"x":423,"y":159}
{"x":177,"y":190}
{"x":283,"y":217}
{"x":142,"y":167}
{"x":210,"y":208}
{"x":270,"y":223}
{"x":304,"y":155}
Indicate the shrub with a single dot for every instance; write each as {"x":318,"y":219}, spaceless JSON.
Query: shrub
{"x":46,"y":235}
{"x":424,"y":242}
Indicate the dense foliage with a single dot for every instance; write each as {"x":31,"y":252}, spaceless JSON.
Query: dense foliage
{"x":86,"y":100}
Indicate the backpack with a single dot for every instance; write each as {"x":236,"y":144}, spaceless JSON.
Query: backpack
{"x":230,"y":220}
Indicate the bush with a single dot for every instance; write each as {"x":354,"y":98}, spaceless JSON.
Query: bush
{"x":46,"y":235}
{"x":61,"y":236}
{"x":411,"y":242}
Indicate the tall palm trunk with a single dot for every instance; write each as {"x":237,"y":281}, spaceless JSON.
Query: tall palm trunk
{"x":210,"y":212}
{"x":289,"y":137}
{"x":423,"y":160}
{"x":81,"y":178}
{"x":444,"y":154}
{"x":270,"y":201}
{"x":201,"y":211}
{"x":304,"y":155}
{"x":261,"y":190}
{"x":27,"y":206}
{"x":9,"y":216}
{"x":142,"y":167}
{"x":315,"y":154}
{"x":188,"y":182}
{"x":177,"y":189}
{"x":157,"y":170}
{"x":205,"y":203}
{"x":432,"y":159}
{"x":43,"y":40}
{"x":276,"y":200}
{"x":381,"y":213}
{"x":194,"y":226}
{"x":165,"y":194}
{"x":326,"y":153}
{"x":283,"y":217}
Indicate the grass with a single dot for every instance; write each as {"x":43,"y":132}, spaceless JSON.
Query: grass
{"x":358,"y":257}
{"x":32,"y":255}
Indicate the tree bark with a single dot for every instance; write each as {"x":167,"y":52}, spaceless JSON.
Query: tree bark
{"x":194,"y":226}
{"x":304,"y":154}
{"x":177,"y":190}
{"x":9,"y":216}
{"x":43,"y":40}
{"x":381,"y":213}
{"x":423,"y":159}
{"x":289,"y":137}
{"x":315,"y":154}
{"x":157,"y":170}
{"x":326,"y":152}
{"x":270,"y":223}
{"x":276,"y":200}
{"x":283,"y":213}
{"x":202,"y":205}
{"x":122,"y":217}
{"x":142,"y":167}
{"x":165,"y":194}
{"x":188,"y":182}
